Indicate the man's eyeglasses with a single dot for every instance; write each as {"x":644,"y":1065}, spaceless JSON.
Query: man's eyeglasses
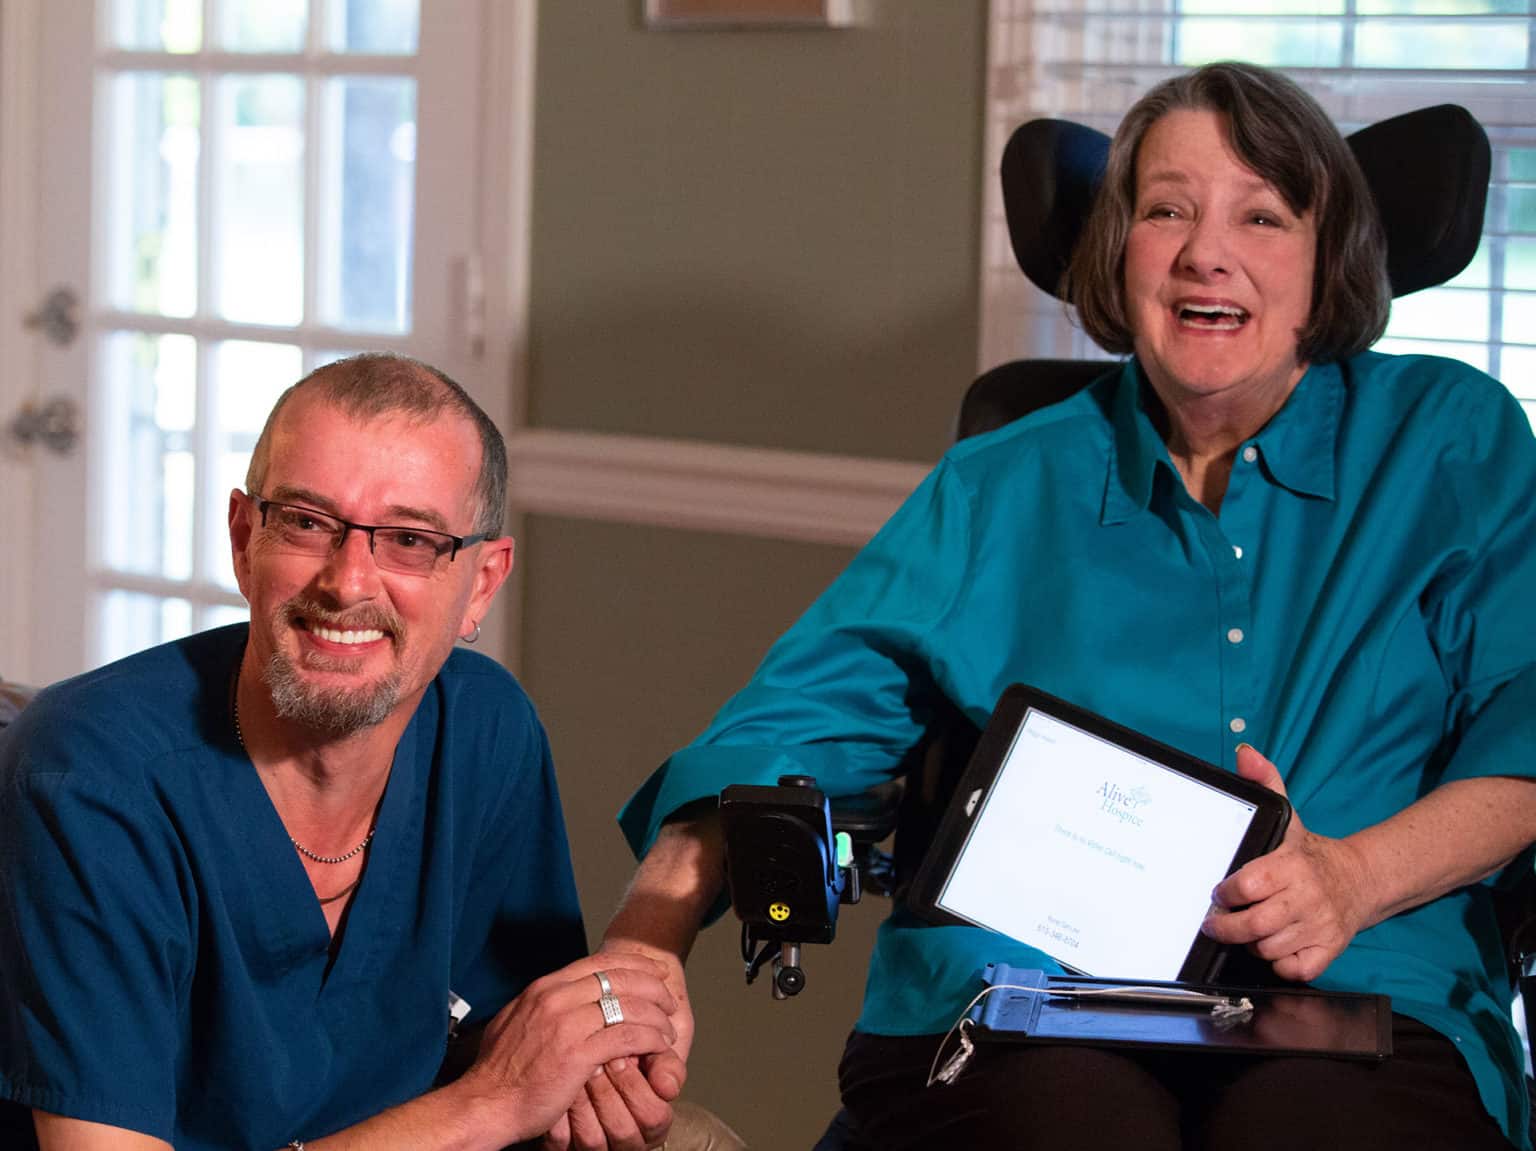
{"x":409,"y":551}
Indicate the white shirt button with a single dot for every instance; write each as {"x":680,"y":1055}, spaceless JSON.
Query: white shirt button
{"x":1235,"y":635}
{"x":1250,"y":453}
{"x":1237,"y":551}
{"x":1238,"y":725}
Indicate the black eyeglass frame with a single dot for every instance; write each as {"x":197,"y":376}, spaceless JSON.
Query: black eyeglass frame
{"x":459,"y":543}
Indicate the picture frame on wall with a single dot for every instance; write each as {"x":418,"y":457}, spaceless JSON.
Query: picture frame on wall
{"x":707,"y":14}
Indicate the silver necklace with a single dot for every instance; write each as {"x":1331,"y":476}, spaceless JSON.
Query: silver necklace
{"x":367,"y":839}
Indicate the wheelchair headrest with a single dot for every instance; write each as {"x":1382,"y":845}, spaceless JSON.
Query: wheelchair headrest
{"x":1428,"y":171}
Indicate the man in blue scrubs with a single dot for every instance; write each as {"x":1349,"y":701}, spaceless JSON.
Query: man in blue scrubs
{"x":248,"y":876}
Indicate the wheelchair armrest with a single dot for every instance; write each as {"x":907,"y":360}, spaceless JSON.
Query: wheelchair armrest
{"x":870,"y":816}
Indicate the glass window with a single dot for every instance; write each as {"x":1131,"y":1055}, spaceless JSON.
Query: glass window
{"x":248,"y":377}
{"x":155,"y":25}
{"x":133,"y":621}
{"x":150,"y":191}
{"x":368,"y":204}
{"x":149,"y":392}
{"x":262,"y":25}
{"x":258,"y":231}
{"x":257,"y":214}
{"x":382,"y":27}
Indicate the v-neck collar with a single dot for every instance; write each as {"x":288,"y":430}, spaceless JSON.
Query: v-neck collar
{"x":286,"y":924}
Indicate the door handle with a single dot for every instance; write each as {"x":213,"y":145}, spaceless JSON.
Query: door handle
{"x":57,"y":318}
{"x":55,"y":425}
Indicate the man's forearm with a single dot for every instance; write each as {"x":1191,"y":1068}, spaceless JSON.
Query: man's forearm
{"x":442,"y":1120}
{"x":448,"y":1119}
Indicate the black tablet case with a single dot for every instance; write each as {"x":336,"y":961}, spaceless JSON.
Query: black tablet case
{"x":1285,"y":1020}
{"x":1207,"y":958}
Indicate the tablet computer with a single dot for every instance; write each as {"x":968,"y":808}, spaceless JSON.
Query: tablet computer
{"x":1093,"y":843}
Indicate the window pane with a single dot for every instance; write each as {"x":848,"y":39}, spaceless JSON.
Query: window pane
{"x":262,"y":25}
{"x":156,"y":25}
{"x":247,"y":379}
{"x":1520,"y":264}
{"x":1517,"y":368}
{"x":1280,"y":44}
{"x":367,"y":204}
{"x":1474,"y":354}
{"x":1263,"y":7}
{"x":149,"y":206}
{"x":149,"y":481}
{"x":1476,"y":273}
{"x":258,"y":233}
{"x":1520,"y":317}
{"x":1522,"y":163}
{"x":1441,"y":7}
{"x":387,"y":27}
{"x":1446,"y":313}
{"x":1520,"y":209}
{"x":319,"y":357}
{"x":131,"y":622}
{"x":221,"y":614}
{"x":1441,"y":44}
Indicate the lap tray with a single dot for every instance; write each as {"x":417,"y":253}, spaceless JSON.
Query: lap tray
{"x":1284,"y":1021}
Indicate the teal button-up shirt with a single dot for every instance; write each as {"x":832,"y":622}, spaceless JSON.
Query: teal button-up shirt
{"x":1362,"y":610}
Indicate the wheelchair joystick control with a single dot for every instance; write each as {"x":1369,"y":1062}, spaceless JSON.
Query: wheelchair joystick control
{"x":787,"y":874}
{"x":788,"y":978}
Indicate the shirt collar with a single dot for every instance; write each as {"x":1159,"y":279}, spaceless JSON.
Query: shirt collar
{"x":1297,"y":445}
{"x":1135,"y":450}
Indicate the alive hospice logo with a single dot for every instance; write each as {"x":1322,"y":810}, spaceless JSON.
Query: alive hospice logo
{"x":1126,"y":806}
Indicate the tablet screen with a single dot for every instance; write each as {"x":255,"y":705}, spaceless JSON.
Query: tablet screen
{"x":1101,"y":858}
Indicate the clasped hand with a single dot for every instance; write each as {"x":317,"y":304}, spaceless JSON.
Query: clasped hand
{"x":1298,"y":906}
{"x":540,"y":1051}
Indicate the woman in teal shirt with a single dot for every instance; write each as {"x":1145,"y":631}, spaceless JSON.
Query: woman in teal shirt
{"x":1255,"y":532}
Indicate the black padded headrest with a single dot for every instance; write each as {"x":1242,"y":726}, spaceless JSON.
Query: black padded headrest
{"x":1428,"y":170}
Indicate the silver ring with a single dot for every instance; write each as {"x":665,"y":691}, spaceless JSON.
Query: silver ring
{"x":602,"y":981}
{"x":612,"y":1013}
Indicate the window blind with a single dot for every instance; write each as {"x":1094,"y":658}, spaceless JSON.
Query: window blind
{"x":1364,"y":60}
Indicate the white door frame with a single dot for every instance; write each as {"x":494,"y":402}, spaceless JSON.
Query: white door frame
{"x":18,"y":345}
{"x":474,"y":331}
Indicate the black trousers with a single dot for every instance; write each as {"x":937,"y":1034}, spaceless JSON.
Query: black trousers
{"x":1069,"y":1097}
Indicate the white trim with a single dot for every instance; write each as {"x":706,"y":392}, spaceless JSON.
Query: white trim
{"x":509,"y":72}
{"x":208,"y":328}
{"x":256,"y":63}
{"x":696,"y":486}
{"x":201,"y":592}
{"x":19,"y":42}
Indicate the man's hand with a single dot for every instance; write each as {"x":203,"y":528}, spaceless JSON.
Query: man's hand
{"x":1299,"y":906}
{"x":629,"y":1107}
{"x":540,"y":1051}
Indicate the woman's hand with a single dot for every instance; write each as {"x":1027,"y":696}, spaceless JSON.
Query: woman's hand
{"x":1298,"y":906}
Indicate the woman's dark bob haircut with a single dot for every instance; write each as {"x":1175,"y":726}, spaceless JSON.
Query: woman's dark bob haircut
{"x":1280,"y":132}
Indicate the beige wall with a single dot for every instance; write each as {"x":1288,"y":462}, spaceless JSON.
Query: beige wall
{"x":762,"y":238}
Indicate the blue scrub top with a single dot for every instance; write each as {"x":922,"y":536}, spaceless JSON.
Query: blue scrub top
{"x":164,"y":964}
{"x":1362,"y":610}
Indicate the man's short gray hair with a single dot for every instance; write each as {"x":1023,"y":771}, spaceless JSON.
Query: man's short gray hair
{"x":376,"y":384}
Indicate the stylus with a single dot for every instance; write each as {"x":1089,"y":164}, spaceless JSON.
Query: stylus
{"x":1162,"y":996}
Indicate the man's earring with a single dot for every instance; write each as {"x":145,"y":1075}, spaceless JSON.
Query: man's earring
{"x":473,"y":636}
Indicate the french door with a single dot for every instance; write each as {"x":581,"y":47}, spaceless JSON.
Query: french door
{"x":229,"y":194}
